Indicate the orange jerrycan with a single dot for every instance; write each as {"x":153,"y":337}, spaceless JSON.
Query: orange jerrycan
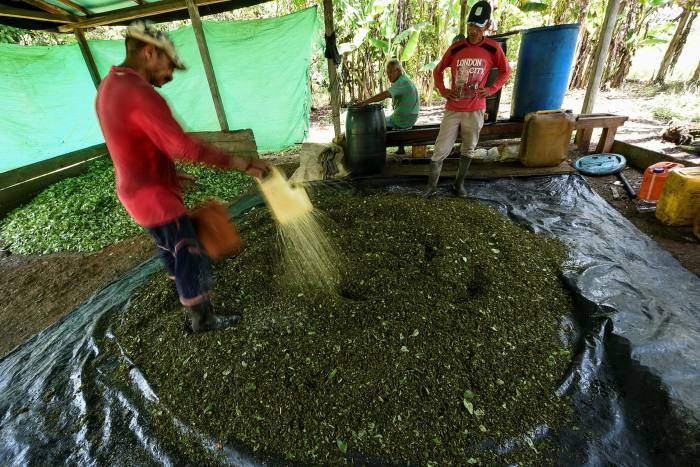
{"x":654,"y":179}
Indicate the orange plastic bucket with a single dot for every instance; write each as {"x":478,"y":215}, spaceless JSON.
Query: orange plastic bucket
{"x":654,"y":179}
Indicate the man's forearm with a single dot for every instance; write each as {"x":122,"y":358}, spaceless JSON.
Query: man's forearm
{"x":438,"y":78}
{"x":376,"y":98}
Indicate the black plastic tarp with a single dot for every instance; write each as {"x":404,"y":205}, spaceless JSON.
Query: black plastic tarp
{"x":634,"y":382}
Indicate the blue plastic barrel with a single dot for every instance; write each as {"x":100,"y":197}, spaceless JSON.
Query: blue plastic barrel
{"x":544,"y":65}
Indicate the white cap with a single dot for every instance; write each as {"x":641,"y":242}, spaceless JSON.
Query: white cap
{"x":144,"y":30}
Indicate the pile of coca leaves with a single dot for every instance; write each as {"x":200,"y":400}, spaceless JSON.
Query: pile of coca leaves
{"x":441,"y":346}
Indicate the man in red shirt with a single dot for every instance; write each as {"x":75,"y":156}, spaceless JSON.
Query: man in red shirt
{"x":144,"y":140}
{"x":470,"y":61}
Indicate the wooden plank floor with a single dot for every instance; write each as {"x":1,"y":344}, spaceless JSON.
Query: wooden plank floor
{"x":481,"y":170}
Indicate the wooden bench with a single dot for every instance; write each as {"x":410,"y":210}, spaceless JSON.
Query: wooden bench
{"x":505,"y":129}
{"x":427,"y":134}
{"x":587,"y":122}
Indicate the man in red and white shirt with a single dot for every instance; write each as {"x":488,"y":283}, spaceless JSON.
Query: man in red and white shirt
{"x":144,"y":140}
{"x":470,"y":61}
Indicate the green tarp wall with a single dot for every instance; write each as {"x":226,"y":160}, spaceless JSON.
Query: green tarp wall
{"x":262,"y":67}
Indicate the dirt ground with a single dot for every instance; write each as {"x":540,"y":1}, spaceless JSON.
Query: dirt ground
{"x":40,"y":289}
{"x":679,"y":241}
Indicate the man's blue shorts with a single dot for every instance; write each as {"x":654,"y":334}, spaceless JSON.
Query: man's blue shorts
{"x":184,"y":259}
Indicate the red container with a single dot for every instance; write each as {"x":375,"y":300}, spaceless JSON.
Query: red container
{"x":654,"y":178}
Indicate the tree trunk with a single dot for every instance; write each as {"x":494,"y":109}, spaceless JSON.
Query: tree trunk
{"x":684,"y":39}
{"x":620,"y":52}
{"x":675,"y":47}
{"x":696,"y":75}
{"x":584,"y":48}
{"x":564,"y":10}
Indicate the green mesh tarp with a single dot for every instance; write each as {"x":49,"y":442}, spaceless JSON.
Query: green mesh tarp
{"x":48,"y":99}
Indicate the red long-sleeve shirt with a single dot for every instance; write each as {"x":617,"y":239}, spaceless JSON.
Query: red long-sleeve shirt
{"x":144,"y":140}
{"x":470,"y":65}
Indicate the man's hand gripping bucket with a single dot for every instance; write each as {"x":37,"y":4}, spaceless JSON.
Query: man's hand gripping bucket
{"x":286,"y":202}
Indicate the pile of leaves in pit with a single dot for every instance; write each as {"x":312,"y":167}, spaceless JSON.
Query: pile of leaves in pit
{"x":83,"y":213}
{"x":441,"y":346}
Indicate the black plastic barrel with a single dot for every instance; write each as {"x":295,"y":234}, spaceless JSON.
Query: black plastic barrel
{"x":365,"y":139}
{"x":492,"y":102}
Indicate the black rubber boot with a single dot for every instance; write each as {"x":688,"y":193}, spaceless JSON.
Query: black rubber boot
{"x":458,"y":187}
{"x":202,"y":318}
{"x":431,"y":187}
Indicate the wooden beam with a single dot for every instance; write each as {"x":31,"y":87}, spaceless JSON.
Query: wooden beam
{"x":17,"y":195}
{"x":140,"y":11}
{"x":206,"y":60}
{"x":41,"y":168}
{"x":601,"y":53}
{"x":87,"y":56}
{"x":10,"y":12}
{"x":476,"y":170}
{"x":427,"y":134}
{"x":239,"y":142}
{"x":75,"y":6}
{"x":642,"y":158}
{"x":332,"y":71}
{"x":48,"y":7}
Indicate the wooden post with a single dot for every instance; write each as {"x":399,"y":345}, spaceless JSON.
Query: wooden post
{"x":332,"y":71}
{"x":601,"y":54}
{"x":462,"y":16}
{"x":87,"y":56}
{"x":206,"y":60}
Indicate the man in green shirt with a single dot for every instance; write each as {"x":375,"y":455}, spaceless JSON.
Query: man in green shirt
{"x":406,"y":102}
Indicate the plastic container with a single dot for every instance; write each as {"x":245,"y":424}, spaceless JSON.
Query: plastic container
{"x":286,"y":202}
{"x":546,"y":137}
{"x":365,"y":145}
{"x":679,"y":202}
{"x":544,"y":65}
{"x":654,"y":179}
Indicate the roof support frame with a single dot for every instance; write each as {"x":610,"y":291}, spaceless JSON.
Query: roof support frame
{"x":87,"y":56}
{"x":206,"y":61}
{"x":126,"y":14}
{"x":75,"y":6}
{"x":332,"y":70}
{"x":49,"y":8}
{"x":11,"y":12}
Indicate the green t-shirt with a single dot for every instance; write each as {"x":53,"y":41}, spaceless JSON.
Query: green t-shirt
{"x":405,"y":102}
